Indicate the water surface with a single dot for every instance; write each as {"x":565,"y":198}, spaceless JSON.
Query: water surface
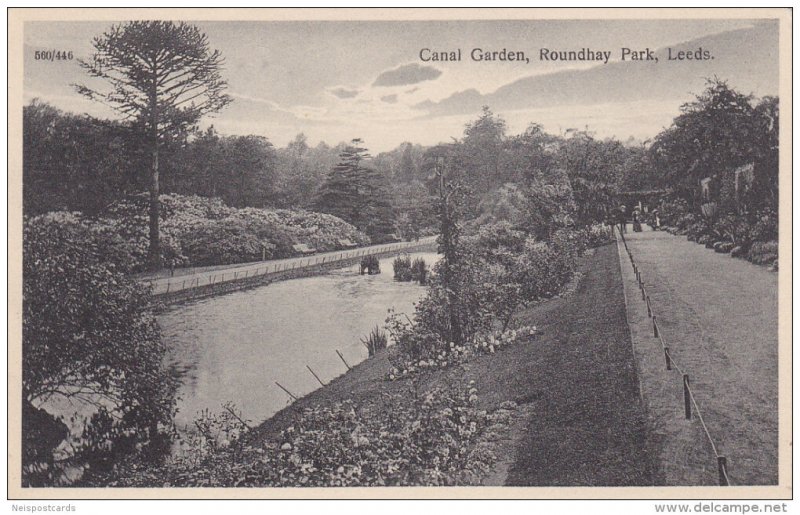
{"x":234,"y":347}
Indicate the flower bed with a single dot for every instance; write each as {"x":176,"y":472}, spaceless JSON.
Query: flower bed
{"x":423,"y":439}
{"x":751,"y":236}
{"x":456,"y":354}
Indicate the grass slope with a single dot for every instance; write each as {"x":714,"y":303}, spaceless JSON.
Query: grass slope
{"x":582,"y":422}
{"x":589,"y":428}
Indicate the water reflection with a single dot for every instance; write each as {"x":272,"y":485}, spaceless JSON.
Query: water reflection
{"x":234,"y":347}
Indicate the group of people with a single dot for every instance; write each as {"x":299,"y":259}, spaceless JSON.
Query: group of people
{"x":619,"y":217}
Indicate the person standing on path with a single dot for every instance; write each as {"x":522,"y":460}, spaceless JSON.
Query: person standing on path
{"x":621,"y":219}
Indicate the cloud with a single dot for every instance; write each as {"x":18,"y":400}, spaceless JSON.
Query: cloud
{"x":461,"y":102}
{"x":632,"y":81}
{"x":389,"y":99}
{"x":258,"y":100}
{"x":407,"y":74}
{"x":343,"y":92}
{"x":412,"y":90}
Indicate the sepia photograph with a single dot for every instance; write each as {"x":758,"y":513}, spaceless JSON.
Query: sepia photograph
{"x":271,"y":253}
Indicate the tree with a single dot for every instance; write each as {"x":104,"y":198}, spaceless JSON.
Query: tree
{"x":407,"y":170}
{"x":594,"y":169}
{"x":162,"y":77}
{"x":448,"y":207}
{"x":479,"y":159}
{"x":75,"y":163}
{"x":300,"y":170}
{"x":249,"y":172}
{"x":357,"y":194}
{"x":712,"y":136}
{"x":766,"y":144}
{"x":197,"y":167}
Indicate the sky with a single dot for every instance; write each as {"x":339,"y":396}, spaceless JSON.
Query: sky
{"x":339,"y":80}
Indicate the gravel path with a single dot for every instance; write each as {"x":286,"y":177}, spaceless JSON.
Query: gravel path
{"x":719,"y":317}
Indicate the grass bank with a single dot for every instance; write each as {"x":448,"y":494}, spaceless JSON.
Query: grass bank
{"x":571,"y":392}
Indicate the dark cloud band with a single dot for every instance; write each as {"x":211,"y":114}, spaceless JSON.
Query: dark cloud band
{"x":407,"y":74}
{"x":343,"y":92}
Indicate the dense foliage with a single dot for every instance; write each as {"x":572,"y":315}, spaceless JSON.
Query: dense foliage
{"x":512,"y":212}
{"x":198,"y":231}
{"x":89,"y":337}
{"x":752,"y":235}
{"x":425,"y":438}
{"x":718,"y":132}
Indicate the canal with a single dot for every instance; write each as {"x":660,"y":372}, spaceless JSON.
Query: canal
{"x":234,"y":347}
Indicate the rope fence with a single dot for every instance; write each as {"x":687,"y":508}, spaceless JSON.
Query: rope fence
{"x":690,"y":404}
{"x":160,"y":287}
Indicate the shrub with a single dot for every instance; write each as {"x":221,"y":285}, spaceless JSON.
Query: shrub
{"x":402,"y":268}
{"x":684,"y":221}
{"x":671,"y":211}
{"x":405,"y":270}
{"x":765,"y":227}
{"x":89,"y":335}
{"x":596,"y":235}
{"x":371,"y":264}
{"x":198,"y":231}
{"x":486,"y":344}
{"x":419,"y":271}
{"x":763,"y":253}
{"x":493,"y":278}
{"x":697,"y":230}
{"x":411,"y":439}
{"x":223,"y":242}
{"x":723,"y":247}
{"x":734,"y":228}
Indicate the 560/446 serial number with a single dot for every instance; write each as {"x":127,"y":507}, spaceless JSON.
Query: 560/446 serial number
{"x":52,"y":55}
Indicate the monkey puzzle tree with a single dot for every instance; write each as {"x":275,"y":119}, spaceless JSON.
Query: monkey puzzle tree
{"x":161,"y":77}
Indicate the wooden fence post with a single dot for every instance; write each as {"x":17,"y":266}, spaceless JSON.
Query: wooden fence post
{"x":655,"y":327}
{"x":285,"y":390}
{"x":722,"y":465}
{"x":687,"y":398}
{"x":667,"y":358}
{"x":342,"y":358}
{"x":315,"y":376}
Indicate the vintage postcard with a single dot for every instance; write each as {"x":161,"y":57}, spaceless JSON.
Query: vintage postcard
{"x":408,"y":253}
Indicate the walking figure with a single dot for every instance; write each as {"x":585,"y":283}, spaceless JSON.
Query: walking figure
{"x":637,"y":225}
{"x":622,"y":219}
